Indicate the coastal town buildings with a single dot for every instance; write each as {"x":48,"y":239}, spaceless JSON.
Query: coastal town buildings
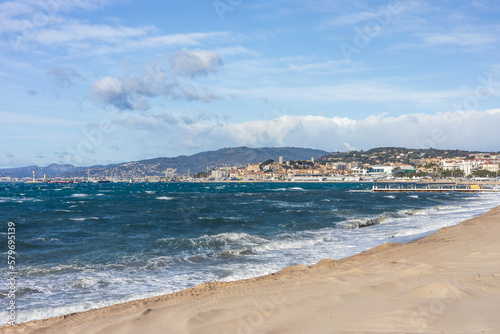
{"x":388,"y":163}
{"x":469,"y":166}
{"x":308,"y":170}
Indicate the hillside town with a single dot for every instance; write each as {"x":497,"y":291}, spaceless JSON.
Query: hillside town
{"x":376,"y":164}
{"x":478,"y":166}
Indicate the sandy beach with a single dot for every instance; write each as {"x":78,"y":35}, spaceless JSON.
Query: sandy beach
{"x":446,"y":282}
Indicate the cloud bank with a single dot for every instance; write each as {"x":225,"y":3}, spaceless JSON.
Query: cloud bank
{"x":460,"y":129}
{"x":473,"y":130}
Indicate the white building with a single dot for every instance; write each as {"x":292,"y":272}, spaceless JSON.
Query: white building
{"x":170,"y":173}
{"x":469,"y":166}
{"x":491,"y":167}
{"x":220,"y":174}
{"x":354,"y":164}
{"x":381,"y":170}
{"x":339,"y":166}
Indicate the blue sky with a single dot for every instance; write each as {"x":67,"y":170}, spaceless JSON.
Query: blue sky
{"x":104,"y":81}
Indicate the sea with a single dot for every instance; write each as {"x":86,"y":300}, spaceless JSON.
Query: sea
{"x":84,"y":246}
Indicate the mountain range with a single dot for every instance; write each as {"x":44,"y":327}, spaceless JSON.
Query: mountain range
{"x":232,"y":156}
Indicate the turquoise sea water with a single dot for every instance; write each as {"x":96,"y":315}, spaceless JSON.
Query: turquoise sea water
{"x":81,"y":246}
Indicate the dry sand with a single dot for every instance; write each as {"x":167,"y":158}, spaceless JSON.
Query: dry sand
{"x":447,"y":282}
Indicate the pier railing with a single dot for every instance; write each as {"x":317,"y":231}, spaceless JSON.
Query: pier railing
{"x":402,"y":187}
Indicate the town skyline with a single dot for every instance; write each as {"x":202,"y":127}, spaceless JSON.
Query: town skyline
{"x":268,"y":164}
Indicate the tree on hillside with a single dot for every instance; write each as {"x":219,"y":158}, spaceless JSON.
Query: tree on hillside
{"x":452,"y":173}
{"x":200,"y":175}
{"x":267,"y":162}
{"x":484,"y":173}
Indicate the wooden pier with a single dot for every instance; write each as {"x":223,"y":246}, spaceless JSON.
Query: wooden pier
{"x":429,"y":188}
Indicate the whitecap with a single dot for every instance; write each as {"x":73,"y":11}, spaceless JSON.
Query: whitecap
{"x":45,"y":238}
{"x":82,"y":219}
{"x":239,"y":237}
{"x":165,"y":198}
{"x":19,"y":199}
{"x":79,"y":195}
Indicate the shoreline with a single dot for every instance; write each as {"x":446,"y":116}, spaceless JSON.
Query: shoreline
{"x":424,"y":285}
{"x":418,"y":181}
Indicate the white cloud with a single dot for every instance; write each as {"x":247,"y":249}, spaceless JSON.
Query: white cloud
{"x":8,"y":11}
{"x":458,"y":39}
{"x":109,"y":90}
{"x":326,"y":67}
{"x":11,"y":120}
{"x":235,"y":50}
{"x":190,"y":93}
{"x":152,"y":123}
{"x":131,"y":92}
{"x":194,"y":63}
{"x":360,"y":91}
{"x":473,"y":40}
{"x":27,"y":16}
{"x":130,"y":44}
{"x":44,"y":23}
{"x":70,"y":33}
{"x":463,"y":129}
{"x":177,"y":39}
{"x":471,"y":130}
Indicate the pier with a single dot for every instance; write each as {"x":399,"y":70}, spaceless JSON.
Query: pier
{"x":431,"y":188}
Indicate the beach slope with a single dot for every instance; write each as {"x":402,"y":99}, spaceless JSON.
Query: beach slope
{"x":447,"y":282}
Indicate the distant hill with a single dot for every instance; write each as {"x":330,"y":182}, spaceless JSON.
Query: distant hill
{"x":53,"y":170}
{"x":199,"y":162}
{"x":382,"y":155}
{"x":232,"y":156}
